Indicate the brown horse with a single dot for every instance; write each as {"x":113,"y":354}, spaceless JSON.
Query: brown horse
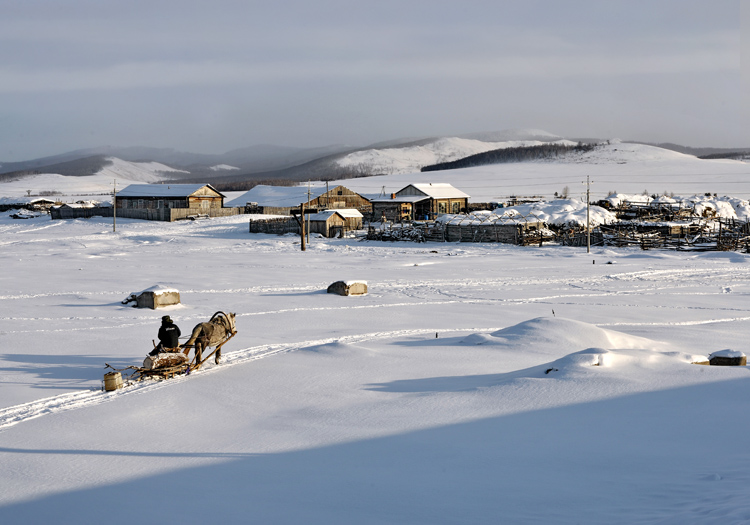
{"x":213,"y":333}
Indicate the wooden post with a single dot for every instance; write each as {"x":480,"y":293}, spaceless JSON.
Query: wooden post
{"x":114,"y":207}
{"x":302,"y":226}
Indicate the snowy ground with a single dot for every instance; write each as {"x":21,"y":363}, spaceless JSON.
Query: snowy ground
{"x":559,"y":388}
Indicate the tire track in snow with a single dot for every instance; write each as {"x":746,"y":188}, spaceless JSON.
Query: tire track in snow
{"x":14,"y":415}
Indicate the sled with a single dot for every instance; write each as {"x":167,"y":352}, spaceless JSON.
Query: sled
{"x":165,"y":365}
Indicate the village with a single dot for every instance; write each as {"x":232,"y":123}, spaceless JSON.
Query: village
{"x":428,"y":212}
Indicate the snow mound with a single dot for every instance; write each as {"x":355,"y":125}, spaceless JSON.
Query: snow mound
{"x":620,"y":358}
{"x":557,"y":332}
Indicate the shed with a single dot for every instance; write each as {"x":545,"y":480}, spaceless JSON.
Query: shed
{"x":331,"y":223}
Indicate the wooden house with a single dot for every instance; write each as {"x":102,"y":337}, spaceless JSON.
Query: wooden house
{"x":341,"y":197}
{"x":167,"y":196}
{"x":420,"y":201}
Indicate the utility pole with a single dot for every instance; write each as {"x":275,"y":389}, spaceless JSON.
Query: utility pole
{"x":588,"y":214}
{"x":302,"y":226}
{"x":308,"y":215}
{"x":114,"y":207}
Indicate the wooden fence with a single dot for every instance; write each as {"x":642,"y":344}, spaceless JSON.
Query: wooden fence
{"x":278,"y":226}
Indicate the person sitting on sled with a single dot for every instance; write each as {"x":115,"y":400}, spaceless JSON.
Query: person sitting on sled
{"x":169,"y":335}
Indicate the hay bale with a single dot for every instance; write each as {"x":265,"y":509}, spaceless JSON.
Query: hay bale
{"x":155,"y":297}
{"x":727,"y":358}
{"x":348,"y":288}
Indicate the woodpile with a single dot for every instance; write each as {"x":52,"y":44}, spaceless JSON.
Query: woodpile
{"x":277,"y":226}
{"x":165,"y":360}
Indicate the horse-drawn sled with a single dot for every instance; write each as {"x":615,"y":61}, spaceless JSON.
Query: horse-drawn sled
{"x":210,"y":336}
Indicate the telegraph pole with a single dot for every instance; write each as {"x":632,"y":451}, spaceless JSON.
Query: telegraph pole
{"x":308,"y":215}
{"x":114,"y":207}
{"x":302,"y":225}
{"x":588,"y":215}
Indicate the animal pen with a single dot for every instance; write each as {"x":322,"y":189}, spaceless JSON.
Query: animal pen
{"x":522,"y":231}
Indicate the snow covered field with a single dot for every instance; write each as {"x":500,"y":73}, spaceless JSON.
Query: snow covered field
{"x":473,"y":384}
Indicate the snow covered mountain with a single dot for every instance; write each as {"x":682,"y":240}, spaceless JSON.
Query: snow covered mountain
{"x":101,"y":182}
{"x":409,"y":159}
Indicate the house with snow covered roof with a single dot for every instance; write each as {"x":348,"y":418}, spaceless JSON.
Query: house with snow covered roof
{"x":420,"y":201}
{"x":29,"y":203}
{"x":159,"y":202}
{"x":161,"y":196}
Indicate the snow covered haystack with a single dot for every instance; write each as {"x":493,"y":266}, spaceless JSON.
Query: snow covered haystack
{"x":702,"y":205}
{"x":559,"y":212}
{"x":727,"y":357}
{"x":155,"y":297}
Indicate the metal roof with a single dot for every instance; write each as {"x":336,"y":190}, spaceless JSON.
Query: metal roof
{"x":439,"y":190}
{"x":343,"y":213}
{"x":402,"y":198}
{"x":163,"y":190}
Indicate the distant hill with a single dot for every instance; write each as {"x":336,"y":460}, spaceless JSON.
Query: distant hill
{"x":552,"y":151}
{"x":698,"y":152}
{"x":244,"y":167}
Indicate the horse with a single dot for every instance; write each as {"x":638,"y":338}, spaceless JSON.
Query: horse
{"x":213,"y":333}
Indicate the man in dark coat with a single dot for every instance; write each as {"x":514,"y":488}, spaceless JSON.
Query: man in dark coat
{"x":169,"y":335}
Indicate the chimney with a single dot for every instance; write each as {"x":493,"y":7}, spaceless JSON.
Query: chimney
{"x":393,"y":195}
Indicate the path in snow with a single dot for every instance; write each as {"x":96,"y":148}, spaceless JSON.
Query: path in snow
{"x":73,"y":400}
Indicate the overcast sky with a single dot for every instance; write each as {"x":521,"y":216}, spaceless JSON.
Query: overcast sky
{"x":228,"y":74}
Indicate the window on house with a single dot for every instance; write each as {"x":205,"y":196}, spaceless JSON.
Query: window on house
{"x":456,"y":207}
{"x":160,"y":204}
{"x":442,"y":208}
{"x":140,"y":203}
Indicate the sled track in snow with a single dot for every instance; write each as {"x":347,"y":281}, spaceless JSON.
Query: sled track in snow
{"x":87,"y":398}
